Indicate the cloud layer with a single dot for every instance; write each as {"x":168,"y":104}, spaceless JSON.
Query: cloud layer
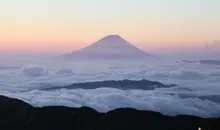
{"x":105,"y":99}
{"x":34,"y":71}
{"x":193,"y":80}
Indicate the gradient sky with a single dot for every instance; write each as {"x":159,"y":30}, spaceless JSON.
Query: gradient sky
{"x":63,"y":25}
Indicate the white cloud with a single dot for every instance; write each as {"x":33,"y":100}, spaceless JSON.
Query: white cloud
{"x":182,"y":74}
{"x":65,"y":71}
{"x":202,"y":80}
{"x":188,"y":75}
{"x":105,"y":99}
{"x":34,"y":71}
{"x":215,"y":73}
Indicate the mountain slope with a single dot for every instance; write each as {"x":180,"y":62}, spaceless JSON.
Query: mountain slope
{"x":110,"y":47}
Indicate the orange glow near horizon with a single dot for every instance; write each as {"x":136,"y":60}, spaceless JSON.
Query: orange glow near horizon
{"x":67,"y":25}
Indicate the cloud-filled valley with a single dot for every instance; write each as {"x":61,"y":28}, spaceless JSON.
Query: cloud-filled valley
{"x":105,"y":99}
{"x":197,"y":92}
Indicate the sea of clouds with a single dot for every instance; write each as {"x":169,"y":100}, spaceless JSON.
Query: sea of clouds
{"x":26,"y":80}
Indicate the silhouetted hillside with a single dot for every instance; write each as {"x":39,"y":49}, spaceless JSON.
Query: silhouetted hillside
{"x":18,"y":115}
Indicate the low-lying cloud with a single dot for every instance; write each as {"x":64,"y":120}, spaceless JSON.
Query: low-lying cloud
{"x":199,"y":79}
{"x":65,"y":71}
{"x":105,"y":99}
{"x":182,"y":74}
{"x":34,"y":71}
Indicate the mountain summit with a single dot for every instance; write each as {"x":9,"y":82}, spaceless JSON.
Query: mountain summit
{"x":110,"y":47}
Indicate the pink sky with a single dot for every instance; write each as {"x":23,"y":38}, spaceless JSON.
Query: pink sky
{"x":65,"y":26}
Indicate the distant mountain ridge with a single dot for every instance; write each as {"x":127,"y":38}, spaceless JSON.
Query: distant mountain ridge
{"x":110,"y":47}
{"x":206,"y":62}
{"x":123,"y":84}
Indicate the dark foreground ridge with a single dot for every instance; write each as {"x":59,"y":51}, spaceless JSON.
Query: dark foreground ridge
{"x":18,"y":115}
{"x":123,"y":84}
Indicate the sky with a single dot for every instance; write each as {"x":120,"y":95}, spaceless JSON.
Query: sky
{"x":64,"y":25}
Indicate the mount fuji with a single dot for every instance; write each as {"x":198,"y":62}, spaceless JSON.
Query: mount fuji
{"x":110,"y":47}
